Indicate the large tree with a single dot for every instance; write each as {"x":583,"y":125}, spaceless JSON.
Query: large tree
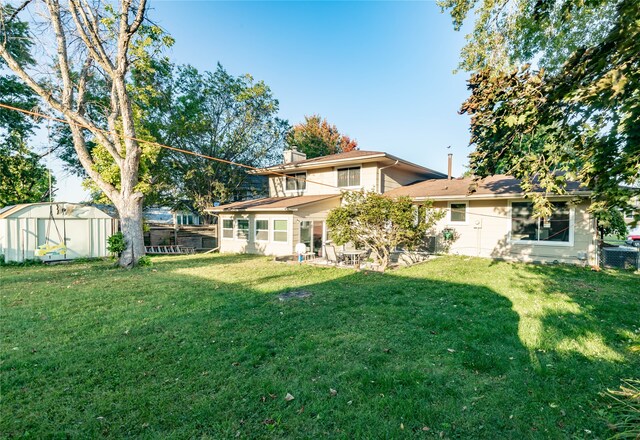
{"x":215,"y":114}
{"x":554,"y":93}
{"x":23,"y":178}
{"x":317,"y":137}
{"x":92,"y":40}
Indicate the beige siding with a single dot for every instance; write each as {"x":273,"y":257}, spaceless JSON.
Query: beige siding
{"x":251,"y":246}
{"x":316,"y":211}
{"x":394,"y":177}
{"x":324,"y":181}
{"x":486,"y":233}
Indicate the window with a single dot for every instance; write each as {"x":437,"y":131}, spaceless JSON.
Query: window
{"x":243,"y":229}
{"x":349,"y":177}
{"x":262,"y":230}
{"x":458,"y":212}
{"x":524,"y":227}
{"x":280,"y":228}
{"x":186,"y":219}
{"x":227,"y":228}
{"x":296,"y":182}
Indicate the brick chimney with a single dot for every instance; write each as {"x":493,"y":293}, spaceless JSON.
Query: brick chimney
{"x":293,"y":155}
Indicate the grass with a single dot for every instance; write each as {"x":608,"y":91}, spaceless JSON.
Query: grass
{"x":200,"y":346}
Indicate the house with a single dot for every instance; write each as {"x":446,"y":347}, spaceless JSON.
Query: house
{"x":487,"y":218}
{"x":54,"y":231}
{"x":301,"y":193}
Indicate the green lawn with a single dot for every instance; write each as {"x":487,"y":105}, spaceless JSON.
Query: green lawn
{"x":201,"y":347}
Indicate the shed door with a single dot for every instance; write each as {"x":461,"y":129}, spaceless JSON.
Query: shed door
{"x":75,"y":231}
{"x":78,"y":238}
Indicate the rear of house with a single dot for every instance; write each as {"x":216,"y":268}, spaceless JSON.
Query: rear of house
{"x":486,"y":218}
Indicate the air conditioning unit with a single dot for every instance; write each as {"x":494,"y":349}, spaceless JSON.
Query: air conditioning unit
{"x":621,"y":258}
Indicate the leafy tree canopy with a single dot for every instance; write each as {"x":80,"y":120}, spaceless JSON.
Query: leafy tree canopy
{"x":214,"y":114}
{"x":380,"y":223}
{"x":316,"y":137}
{"x":575,"y":114}
{"x":23,"y":178}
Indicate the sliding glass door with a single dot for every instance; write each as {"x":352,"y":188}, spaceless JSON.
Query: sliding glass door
{"x":312,"y":235}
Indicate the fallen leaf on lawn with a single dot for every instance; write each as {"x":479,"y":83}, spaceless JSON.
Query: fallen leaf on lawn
{"x":425,"y":428}
{"x":401,"y":425}
{"x":301,"y":410}
{"x":273,"y":396}
{"x":451,"y":350}
{"x":332,"y":391}
{"x":288,"y":397}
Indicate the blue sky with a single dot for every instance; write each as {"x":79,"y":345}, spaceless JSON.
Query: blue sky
{"x":381,"y":71}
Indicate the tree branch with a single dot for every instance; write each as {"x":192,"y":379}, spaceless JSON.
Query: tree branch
{"x":94,"y":45}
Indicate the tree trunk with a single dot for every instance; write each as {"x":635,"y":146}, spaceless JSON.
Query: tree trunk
{"x":130,"y":211}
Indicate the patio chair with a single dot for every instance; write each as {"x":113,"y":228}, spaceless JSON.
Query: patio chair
{"x":331,"y":254}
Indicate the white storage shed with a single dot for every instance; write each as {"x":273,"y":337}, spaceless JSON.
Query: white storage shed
{"x":54,"y":231}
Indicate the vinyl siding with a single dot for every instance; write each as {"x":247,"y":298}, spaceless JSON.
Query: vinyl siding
{"x":486,"y":233}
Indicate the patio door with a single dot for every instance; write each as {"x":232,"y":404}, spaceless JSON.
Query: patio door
{"x":312,"y":235}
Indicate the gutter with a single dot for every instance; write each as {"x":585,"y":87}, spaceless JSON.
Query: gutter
{"x":496,"y":196}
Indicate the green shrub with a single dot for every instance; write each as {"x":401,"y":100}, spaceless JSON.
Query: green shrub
{"x":116,"y":243}
{"x":145,"y":261}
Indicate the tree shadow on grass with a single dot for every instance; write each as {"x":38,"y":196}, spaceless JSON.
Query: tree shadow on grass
{"x":186,"y":352}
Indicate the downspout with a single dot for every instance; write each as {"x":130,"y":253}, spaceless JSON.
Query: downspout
{"x":379,"y":179}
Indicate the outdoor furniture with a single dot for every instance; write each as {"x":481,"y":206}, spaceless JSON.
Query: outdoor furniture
{"x":353,"y":257}
{"x":331,"y":254}
{"x":308,"y":256}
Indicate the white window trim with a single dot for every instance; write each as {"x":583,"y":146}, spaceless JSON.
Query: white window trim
{"x":542,"y":242}
{"x":233,"y":229}
{"x":235,"y":224}
{"x":466,"y":214}
{"x":336,"y":169}
{"x":295,"y":191}
{"x":255,"y":229}
{"x":273,"y":231}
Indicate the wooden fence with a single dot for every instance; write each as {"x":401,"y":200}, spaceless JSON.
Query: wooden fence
{"x":200,"y":237}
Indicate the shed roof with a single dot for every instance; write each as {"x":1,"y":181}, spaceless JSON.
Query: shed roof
{"x":498,"y":186}
{"x":272,"y":203}
{"x":10,"y":210}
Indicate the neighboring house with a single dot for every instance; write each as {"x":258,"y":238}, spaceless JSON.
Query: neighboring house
{"x":301,"y":193}
{"x":488,"y":218}
{"x":54,"y":231}
{"x":181,"y":225}
{"x":165,"y":216}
